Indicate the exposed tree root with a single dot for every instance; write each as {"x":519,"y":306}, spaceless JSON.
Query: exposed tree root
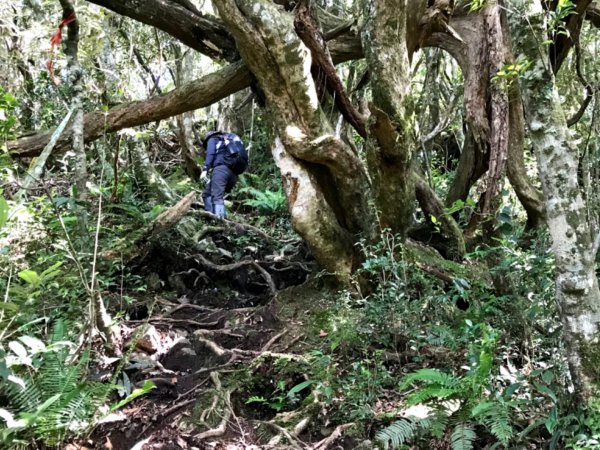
{"x":293,"y":440}
{"x":222,"y":427}
{"x":190,"y":306}
{"x":220,"y":351}
{"x":229,"y":267}
{"x":271,"y":341}
{"x":328,"y":441}
{"x":239,"y":227}
{"x":177,"y":321}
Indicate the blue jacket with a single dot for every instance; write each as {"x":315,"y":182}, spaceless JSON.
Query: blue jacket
{"x":213,"y":158}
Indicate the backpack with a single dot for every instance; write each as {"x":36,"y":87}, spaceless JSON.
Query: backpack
{"x":236,"y":156}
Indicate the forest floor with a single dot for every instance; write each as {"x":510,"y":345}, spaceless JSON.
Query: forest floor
{"x":214,"y":337}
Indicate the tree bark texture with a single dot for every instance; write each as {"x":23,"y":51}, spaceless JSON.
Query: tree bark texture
{"x":391,"y":143}
{"x":577,"y":292}
{"x":71,"y":45}
{"x":487,"y":109}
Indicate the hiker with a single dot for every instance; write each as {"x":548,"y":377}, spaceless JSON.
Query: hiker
{"x":227,"y":157}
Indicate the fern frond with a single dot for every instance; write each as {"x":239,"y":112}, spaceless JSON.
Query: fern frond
{"x":463,"y":437}
{"x":434,"y":391}
{"x":397,"y":433}
{"x":430,"y":376}
{"x":496,"y":417}
{"x":436,"y":423}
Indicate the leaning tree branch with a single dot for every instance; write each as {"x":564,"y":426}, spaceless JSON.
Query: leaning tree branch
{"x":190,"y":96}
{"x":315,"y":41}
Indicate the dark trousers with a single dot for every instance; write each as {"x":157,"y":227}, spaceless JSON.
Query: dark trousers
{"x":221,"y":182}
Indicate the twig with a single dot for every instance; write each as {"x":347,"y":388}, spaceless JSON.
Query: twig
{"x":177,"y":406}
{"x":182,"y":321}
{"x":325,"y":443}
{"x":294,"y":441}
{"x":215,"y":368}
{"x":292,"y":342}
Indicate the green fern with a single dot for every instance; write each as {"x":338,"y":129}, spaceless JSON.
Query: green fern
{"x":53,"y":401}
{"x":398,"y":433}
{"x":496,"y":417}
{"x":462,"y":437}
{"x":430,"y":377}
{"x":270,"y":202}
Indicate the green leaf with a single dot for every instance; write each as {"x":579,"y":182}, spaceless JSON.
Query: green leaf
{"x":3,"y":211}
{"x":299,"y":387}
{"x":147,"y":386}
{"x":552,"y":420}
{"x":29,"y":276}
{"x":546,"y":390}
{"x":8,"y":306}
{"x":510,"y":390}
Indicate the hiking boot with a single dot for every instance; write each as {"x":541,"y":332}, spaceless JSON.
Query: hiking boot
{"x":220,"y":211}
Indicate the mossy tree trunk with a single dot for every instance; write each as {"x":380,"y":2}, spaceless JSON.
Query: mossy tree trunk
{"x":577,"y":292}
{"x":325,"y":181}
{"x":391,"y":140}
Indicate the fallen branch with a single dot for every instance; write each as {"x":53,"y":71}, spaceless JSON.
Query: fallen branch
{"x":337,"y":433}
{"x":294,"y":441}
{"x":181,"y":321}
{"x":142,"y":246}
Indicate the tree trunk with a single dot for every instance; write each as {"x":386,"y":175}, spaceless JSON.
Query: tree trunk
{"x":475,"y":58}
{"x":79,"y":160}
{"x":391,"y":142}
{"x":321,"y":173}
{"x":185,"y":121}
{"x":577,"y":292}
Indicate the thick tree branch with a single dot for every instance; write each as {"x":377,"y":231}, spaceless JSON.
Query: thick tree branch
{"x":563,"y":42}
{"x":196,"y":94}
{"x":314,"y":40}
{"x":191,"y":96}
{"x":202,"y":33}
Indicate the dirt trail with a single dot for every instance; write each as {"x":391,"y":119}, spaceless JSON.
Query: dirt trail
{"x":215,"y":321}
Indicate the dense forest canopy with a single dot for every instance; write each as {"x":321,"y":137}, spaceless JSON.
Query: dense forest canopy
{"x":409,"y":260}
